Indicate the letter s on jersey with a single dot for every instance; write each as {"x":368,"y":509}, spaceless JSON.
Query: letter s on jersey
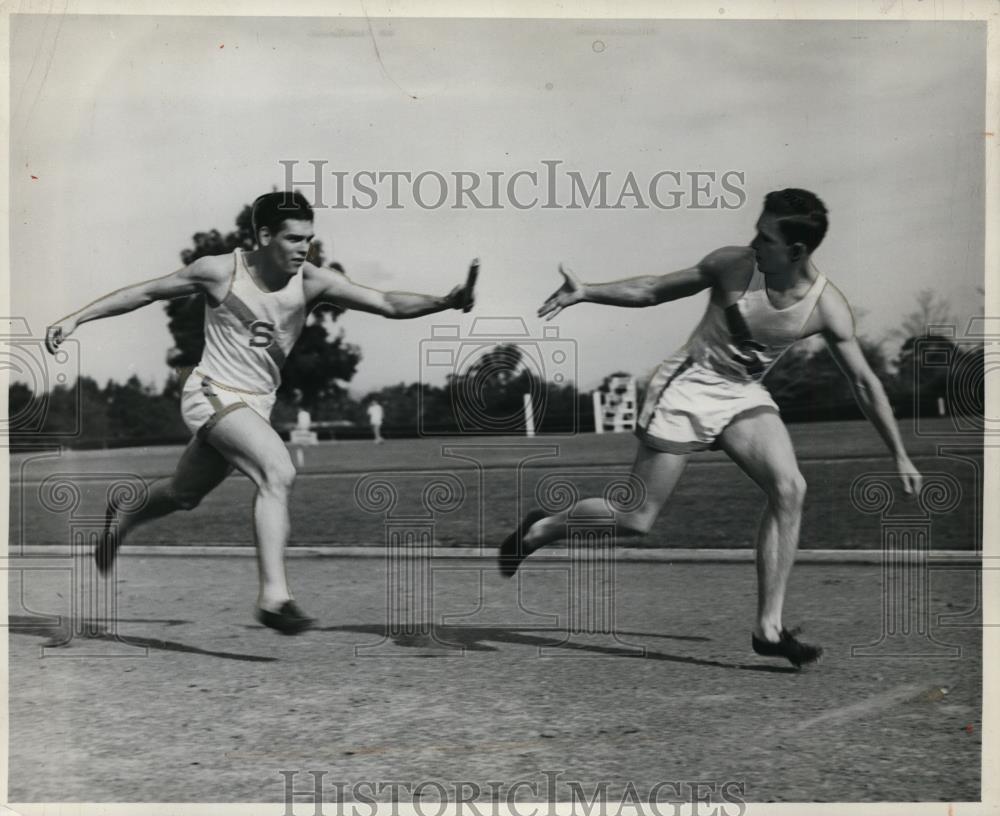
{"x":262,"y":334}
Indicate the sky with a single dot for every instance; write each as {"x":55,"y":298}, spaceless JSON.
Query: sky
{"x":130,"y":134}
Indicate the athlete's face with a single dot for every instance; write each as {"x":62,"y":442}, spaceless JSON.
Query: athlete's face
{"x":773,"y":255}
{"x":289,"y":246}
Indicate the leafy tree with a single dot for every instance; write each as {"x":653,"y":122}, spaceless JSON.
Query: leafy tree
{"x":93,"y":406}
{"x":808,"y":385}
{"x":931,"y":366}
{"x":19,"y":406}
{"x":135,"y":411}
{"x":408,"y":407}
{"x":931,"y":311}
{"x":565,"y":410}
{"x":489,"y":394}
{"x":318,"y":363}
{"x":85,"y":414}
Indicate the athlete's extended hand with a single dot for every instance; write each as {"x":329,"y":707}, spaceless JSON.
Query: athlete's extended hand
{"x":58,"y":332}
{"x":912,"y":480}
{"x":464,"y":297}
{"x":566,"y":295}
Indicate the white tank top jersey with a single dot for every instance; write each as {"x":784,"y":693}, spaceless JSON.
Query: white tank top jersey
{"x":742,"y":342}
{"x":249,"y":335}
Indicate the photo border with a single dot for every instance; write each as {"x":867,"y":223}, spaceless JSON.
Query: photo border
{"x":720,"y":10}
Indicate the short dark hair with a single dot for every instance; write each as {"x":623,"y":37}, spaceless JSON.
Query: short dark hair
{"x":801,"y":216}
{"x":271,"y":210}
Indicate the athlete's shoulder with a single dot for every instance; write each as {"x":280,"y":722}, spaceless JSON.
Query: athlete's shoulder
{"x":320,"y":280}
{"x":831,"y":298}
{"x":727,"y":259}
{"x":728,"y":268}
{"x":211,"y":268}
{"x":835,"y":312}
{"x":324,"y":274}
{"x":310,"y":270}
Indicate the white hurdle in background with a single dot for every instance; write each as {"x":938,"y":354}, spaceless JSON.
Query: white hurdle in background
{"x":616,"y":409}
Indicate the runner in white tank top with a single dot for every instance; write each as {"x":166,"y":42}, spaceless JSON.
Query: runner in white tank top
{"x":743,"y":341}
{"x":248,"y":337}
{"x":257,"y":306}
{"x":696,"y":393}
{"x":763,"y":299}
{"x":250,"y":334}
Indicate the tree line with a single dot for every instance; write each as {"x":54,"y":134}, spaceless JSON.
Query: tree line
{"x":930,"y":371}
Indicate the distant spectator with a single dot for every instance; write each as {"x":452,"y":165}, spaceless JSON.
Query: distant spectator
{"x":375,"y":415}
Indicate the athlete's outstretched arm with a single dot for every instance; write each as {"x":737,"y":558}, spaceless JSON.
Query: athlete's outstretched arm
{"x":838,"y":331}
{"x":645,"y":290}
{"x":192,"y":279}
{"x":330,"y":286}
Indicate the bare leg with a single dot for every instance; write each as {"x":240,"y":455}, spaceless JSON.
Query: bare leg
{"x":200,"y":470}
{"x":250,"y":444}
{"x":656,"y":471}
{"x":759,"y":443}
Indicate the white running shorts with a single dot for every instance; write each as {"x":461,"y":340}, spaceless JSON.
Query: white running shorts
{"x":688,"y":406}
{"x":204,"y":402}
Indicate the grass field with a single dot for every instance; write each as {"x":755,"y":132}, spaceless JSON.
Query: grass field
{"x":715,"y":506}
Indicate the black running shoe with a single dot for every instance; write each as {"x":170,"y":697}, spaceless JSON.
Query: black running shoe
{"x":107,"y":547}
{"x":797,"y":652}
{"x":289,"y":619}
{"x":512,"y":550}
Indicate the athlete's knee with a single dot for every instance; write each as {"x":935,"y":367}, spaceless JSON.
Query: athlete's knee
{"x":789,"y":490}
{"x":640,"y":521}
{"x":636,"y":525}
{"x":278,"y":477}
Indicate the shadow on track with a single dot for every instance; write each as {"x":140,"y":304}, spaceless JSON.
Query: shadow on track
{"x":60,"y":636}
{"x":477,"y":639}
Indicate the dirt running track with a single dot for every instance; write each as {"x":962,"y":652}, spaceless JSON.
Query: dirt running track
{"x":199,"y":703}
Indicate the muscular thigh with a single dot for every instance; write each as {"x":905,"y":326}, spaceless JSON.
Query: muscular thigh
{"x":250,"y":444}
{"x":658,"y":472}
{"x":759,"y":443}
{"x":200,"y":470}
